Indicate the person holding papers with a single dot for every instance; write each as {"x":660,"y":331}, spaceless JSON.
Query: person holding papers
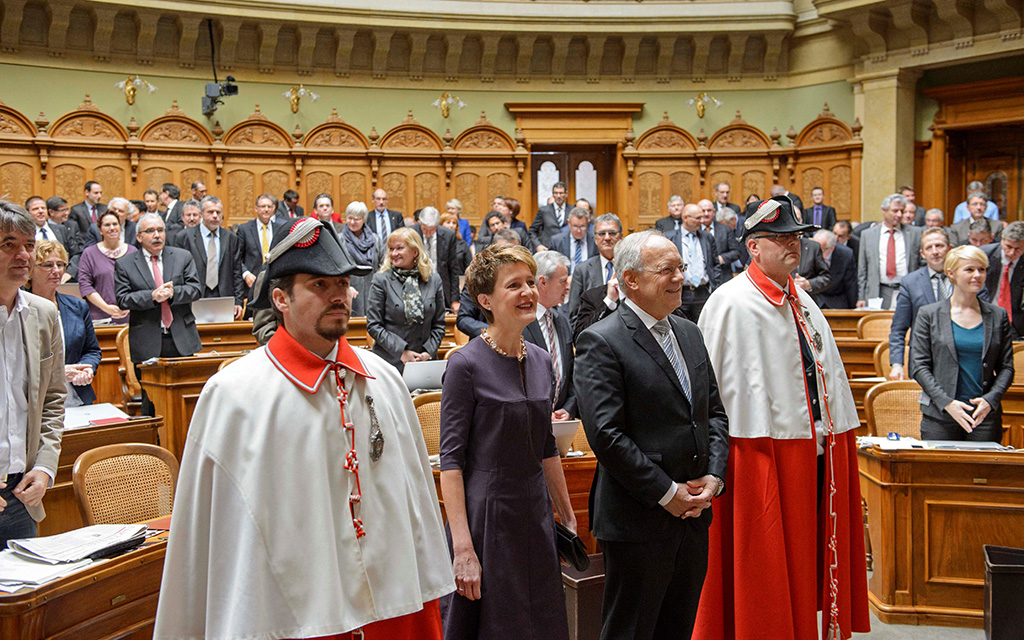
{"x":962,"y":356}
{"x":309,"y":510}
{"x":32,"y":382}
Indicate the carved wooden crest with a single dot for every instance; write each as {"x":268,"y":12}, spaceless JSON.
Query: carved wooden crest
{"x":176,"y":129}
{"x":666,"y":138}
{"x":257,"y":133}
{"x":739,"y":137}
{"x":824,"y":131}
{"x":13,"y":123}
{"x":335,"y":135}
{"x":410,"y":137}
{"x":484,"y":138}
{"x":88,"y":125}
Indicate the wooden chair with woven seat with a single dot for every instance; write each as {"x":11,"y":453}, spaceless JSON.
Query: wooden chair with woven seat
{"x":131,"y":390}
{"x":874,"y":326}
{"x":428,"y":410}
{"x":449,"y":353}
{"x":125,"y":483}
{"x":882,"y":366}
{"x":892,"y":407}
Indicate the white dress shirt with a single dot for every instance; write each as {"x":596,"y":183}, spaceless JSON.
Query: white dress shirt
{"x":901,"y":255}
{"x":259,"y":238}
{"x":50,"y":235}
{"x":14,"y":394}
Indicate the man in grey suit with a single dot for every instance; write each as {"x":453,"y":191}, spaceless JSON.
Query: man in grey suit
{"x":960,"y":233}
{"x":440,"y":245}
{"x":34,"y":371}
{"x":674,"y":220}
{"x":217,"y":254}
{"x":576,"y":243}
{"x":727,"y":246}
{"x":550,"y":218}
{"x":88,"y":211}
{"x":597,"y":271}
{"x":551,"y":331}
{"x":888,"y":252}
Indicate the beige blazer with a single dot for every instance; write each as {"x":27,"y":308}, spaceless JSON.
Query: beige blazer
{"x":46,"y":390}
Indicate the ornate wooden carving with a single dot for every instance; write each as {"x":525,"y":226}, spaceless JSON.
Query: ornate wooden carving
{"x":241,"y":194}
{"x":112,"y":179}
{"x":69,"y":180}
{"x":188,"y":176}
{"x":681,"y":184}
{"x":257,"y":132}
{"x":176,"y":130}
{"x":155,"y":177}
{"x":15,"y":181}
{"x":335,"y":134}
{"x":426,"y":187}
{"x":410,"y":139}
{"x":352,"y":188}
{"x":277,"y":182}
{"x":651,"y":201}
{"x":88,"y":124}
{"x":394,"y":183}
{"x":14,"y":124}
{"x":467,"y":186}
{"x":812,"y":177}
{"x":498,"y":184}
{"x":318,"y":182}
{"x":484,"y":137}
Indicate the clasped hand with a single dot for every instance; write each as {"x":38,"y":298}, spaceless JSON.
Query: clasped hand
{"x":966,"y":416}
{"x":78,"y":374}
{"x":693,"y":497}
{"x":164,"y":292}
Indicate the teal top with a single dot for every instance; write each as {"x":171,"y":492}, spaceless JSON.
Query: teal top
{"x":970,"y":344}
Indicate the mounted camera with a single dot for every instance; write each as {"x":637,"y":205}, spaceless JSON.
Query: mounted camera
{"x":215,"y":91}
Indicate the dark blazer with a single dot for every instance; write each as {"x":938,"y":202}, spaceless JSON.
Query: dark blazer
{"x":727,"y":246}
{"x":642,"y":429}
{"x":563,"y":243}
{"x":730,"y":205}
{"x":80,"y":343}
{"x":666,"y":224}
{"x":396,"y":221}
{"x":173,"y":221}
{"x":229,"y":263}
{"x":828,"y":216}
{"x":960,"y":232}
{"x":67,"y":235}
{"x":795,"y":199}
{"x":470,"y":320}
{"x":385,"y":318}
{"x":462,"y":258}
{"x":853,"y":243}
{"x":842,"y":292}
{"x":707,"y":245}
{"x":79,"y":214}
{"x":252,"y":248}
{"x":995,"y":272}
{"x":94,"y":237}
{"x":133,"y":287}
{"x":592,"y":308}
{"x":545,"y":223}
{"x":566,"y":398}
{"x":934,"y":364}
{"x":587,"y":276}
{"x":812,"y":266}
{"x":282,"y":212}
{"x":447,"y":261}
{"x":919,"y":215}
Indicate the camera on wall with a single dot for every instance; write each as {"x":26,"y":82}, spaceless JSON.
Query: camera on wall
{"x":215,"y":91}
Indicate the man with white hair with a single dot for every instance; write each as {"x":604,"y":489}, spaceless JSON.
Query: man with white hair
{"x":440,"y":245}
{"x":730,"y":219}
{"x":841,"y":293}
{"x":934,"y":218}
{"x":888,"y":252}
{"x":120,"y":207}
{"x":674,"y":220}
{"x":551,"y":331}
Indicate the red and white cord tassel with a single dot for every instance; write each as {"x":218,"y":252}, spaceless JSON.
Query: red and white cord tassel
{"x":351,"y":461}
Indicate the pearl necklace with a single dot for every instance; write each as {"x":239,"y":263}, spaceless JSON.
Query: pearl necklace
{"x":493,"y":345}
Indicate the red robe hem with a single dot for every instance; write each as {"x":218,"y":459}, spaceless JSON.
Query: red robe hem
{"x":425,"y":624}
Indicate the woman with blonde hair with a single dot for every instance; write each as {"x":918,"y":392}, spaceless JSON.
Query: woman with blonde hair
{"x":962,"y":356}
{"x":405,"y":307}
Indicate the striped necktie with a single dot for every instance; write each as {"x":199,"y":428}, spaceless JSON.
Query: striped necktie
{"x":663,"y":330}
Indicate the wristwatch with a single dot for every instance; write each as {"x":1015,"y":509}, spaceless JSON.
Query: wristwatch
{"x":721,"y":485}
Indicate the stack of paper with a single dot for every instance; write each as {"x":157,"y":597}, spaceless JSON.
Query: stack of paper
{"x":78,"y":544}
{"x":17,"y":571}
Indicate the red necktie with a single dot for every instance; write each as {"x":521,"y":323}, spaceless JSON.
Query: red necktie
{"x":166,"y":317}
{"x":1004,"y":290}
{"x":890,"y":256}
{"x":93,"y":207}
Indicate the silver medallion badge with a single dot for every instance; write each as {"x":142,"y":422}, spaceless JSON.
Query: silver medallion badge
{"x":376,"y":436}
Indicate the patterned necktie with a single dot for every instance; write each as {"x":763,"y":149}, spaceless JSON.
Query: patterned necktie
{"x":46,"y":236}
{"x":92,"y":212}
{"x":890,"y":256}
{"x":264,"y":242}
{"x":556,"y":357}
{"x":382,"y":224}
{"x":578,"y":254}
{"x":1004,"y":290}
{"x":663,"y":331}
{"x":166,"y":317}
{"x":942,"y":288}
{"x":211,"y":262}
{"x":817,"y":215}
{"x":610,"y":272}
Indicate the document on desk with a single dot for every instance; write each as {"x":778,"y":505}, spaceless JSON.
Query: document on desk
{"x":17,"y":571}
{"x":78,"y":544}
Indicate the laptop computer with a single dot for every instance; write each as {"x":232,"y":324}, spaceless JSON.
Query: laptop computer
{"x":424,"y":375}
{"x":213,"y":310}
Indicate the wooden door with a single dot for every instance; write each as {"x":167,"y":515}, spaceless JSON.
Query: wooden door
{"x":586,"y":169}
{"x":994,"y":158}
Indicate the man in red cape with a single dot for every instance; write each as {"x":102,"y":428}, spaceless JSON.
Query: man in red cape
{"x":787,"y":539}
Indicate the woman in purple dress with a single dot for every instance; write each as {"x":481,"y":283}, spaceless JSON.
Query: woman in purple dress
{"x":500,"y":468}
{"x":96,"y":270}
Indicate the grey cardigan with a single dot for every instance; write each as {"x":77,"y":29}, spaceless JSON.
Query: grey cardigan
{"x":385,"y":318}
{"x":934,"y":363}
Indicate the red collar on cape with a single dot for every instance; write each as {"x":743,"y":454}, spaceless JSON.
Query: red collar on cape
{"x":303,"y":367}
{"x":771,"y":291}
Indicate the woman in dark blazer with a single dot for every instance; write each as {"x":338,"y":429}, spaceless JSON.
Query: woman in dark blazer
{"x":81,"y":349}
{"x":962,"y":356}
{"x":405,"y":308}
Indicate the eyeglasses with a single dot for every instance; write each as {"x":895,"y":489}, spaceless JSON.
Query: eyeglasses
{"x":781,"y":238}
{"x":149,"y":232}
{"x":606,"y":233}
{"x":49,"y":266}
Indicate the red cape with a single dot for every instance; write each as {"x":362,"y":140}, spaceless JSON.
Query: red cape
{"x":768,"y":560}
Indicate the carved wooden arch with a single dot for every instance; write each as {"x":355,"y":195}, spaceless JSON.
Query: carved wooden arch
{"x":666,"y":137}
{"x":826,"y":130}
{"x":13,"y":123}
{"x":411,"y":136}
{"x":335,"y":135}
{"x":484,"y":137}
{"x":176,"y":129}
{"x":257,"y":133}
{"x":738,"y":135}
{"x":88,"y":124}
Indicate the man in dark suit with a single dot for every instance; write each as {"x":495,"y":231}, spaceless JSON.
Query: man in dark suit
{"x":256,"y":237}
{"x":598,"y":270}
{"x":919,"y":211}
{"x":550,"y":218}
{"x":551,"y":332}
{"x":842,"y":292}
{"x":820,"y":214}
{"x":878,"y":278}
{"x":158,"y":285}
{"x":440,"y":245}
{"x":812,"y":275}
{"x":844,"y":236}
{"x":1005,"y":279}
{"x":198,"y":190}
{"x":779,"y":190}
{"x":651,"y":410}
{"x":674,"y":220}
{"x":57,"y":212}
{"x":217,"y":254}
{"x":288,"y":207}
{"x":596,"y":303}
{"x":46,"y":229}
{"x":382,"y":220}
{"x":128,"y":229}
{"x":727,"y":245}
{"x":722,"y":191}
{"x":88,"y":211}
{"x":698,"y":250}
{"x":577,"y":242}
{"x":170,"y":208}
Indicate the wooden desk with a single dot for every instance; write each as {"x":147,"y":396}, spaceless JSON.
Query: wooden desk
{"x":1013,"y":419}
{"x":110,"y":599}
{"x":929,"y":514}
{"x":579,"y":475}
{"x":107,"y":382}
{"x":62,"y":513}
{"x":858,"y":356}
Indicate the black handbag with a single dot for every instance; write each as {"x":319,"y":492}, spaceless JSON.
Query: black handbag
{"x":571,"y":548}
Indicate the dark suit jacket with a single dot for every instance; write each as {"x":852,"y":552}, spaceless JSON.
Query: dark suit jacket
{"x":67,"y":235}
{"x":282,"y":212}
{"x":828,"y":216}
{"x":707,"y":245}
{"x":960,"y":232}
{"x":919,"y":215}
{"x":563,"y":243}
{"x":133,"y":287}
{"x":995,"y":272}
{"x":842,"y":292}
{"x":587,"y":276}
{"x":395,"y":217}
{"x":812,"y":266}
{"x":80,"y":343}
{"x":173,"y":221}
{"x":592,"y":308}
{"x":545,"y":223}
{"x":229,"y":263}
{"x":934,"y":363}
{"x":252,"y":248}
{"x":666,"y":224}
{"x":470,"y":320}
{"x":853,"y":243}
{"x":727,"y":246}
{"x":642,"y":429}
{"x":386,"y":324}
{"x":566,"y":398}
{"x":795,"y":199}
{"x":79,"y":214}
{"x":447,"y":261}
{"x":93,"y":237}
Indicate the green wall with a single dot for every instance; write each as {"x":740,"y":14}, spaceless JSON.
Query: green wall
{"x":31,"y":89}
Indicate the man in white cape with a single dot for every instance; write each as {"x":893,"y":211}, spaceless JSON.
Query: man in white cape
{"x":305,"y":506}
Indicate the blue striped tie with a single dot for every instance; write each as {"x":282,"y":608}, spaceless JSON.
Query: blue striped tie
{"x":662,"y":328}
{"x":578,"y":255}
{"x":611,"y":272}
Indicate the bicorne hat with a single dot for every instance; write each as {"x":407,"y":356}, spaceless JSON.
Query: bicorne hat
{"x":774,"y":216}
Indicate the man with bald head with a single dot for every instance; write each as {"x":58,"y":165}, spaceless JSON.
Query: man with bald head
{"x":381,"y":220}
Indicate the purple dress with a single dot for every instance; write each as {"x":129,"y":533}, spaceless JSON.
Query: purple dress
{"x":96,"y":275}
{"x":498,"y":432}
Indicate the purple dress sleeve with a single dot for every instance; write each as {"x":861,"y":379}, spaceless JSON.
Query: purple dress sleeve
{"x":458,"y":404}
